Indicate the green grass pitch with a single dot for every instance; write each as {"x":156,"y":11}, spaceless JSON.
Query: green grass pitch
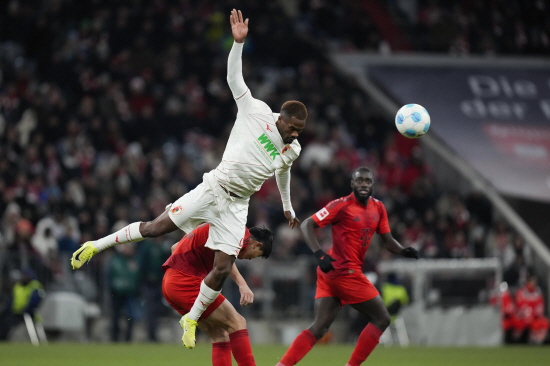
{"x":77,"y":354}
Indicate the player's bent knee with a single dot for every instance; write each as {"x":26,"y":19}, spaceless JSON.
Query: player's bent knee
{"x":382,"y":323}
{"x":159,"y":226}
{"x":219,"y":335}
{"x":236,"y":322}
{"x":318,"y":333}
{"x":241,"y":322}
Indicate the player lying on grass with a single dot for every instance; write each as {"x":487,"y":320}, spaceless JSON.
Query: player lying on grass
{"x":261,"y":144}
{"x":340,"y":280}
{"x":189,"y":263}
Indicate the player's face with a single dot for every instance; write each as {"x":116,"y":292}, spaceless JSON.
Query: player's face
{"x":361,"y":183}
{"x":290,"y":128}
{"x":253,"y":250}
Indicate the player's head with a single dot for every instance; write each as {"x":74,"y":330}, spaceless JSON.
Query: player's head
{"x":362,"y":180}
{"x":259,"y":245}
{"x":531,"y":281}
{"x":291,"y":120}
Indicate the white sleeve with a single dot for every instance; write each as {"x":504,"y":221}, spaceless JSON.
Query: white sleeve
{"x":282,"y":176}
{"x":235,"y":71}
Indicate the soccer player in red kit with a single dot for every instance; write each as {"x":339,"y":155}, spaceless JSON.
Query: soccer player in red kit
{"x":185,"y":270}
{"x":340,"y":280}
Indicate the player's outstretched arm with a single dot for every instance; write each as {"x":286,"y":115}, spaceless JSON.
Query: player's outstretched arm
{"x":394,"y":247}
{"x":235,"y":79}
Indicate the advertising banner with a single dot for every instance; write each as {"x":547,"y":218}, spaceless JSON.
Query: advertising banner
{"x":496,"y":118}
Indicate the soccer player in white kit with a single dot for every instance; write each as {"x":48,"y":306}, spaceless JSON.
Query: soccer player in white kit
{"x":261,"y":143}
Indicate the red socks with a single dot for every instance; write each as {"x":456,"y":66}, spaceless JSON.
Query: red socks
{"x":221,"y":354}
{"x":303,"y":343}
{"x":240,"y":346}
{"x":367,"y":341}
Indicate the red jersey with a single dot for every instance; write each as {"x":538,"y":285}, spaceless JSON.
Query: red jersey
{"x":530,"y":304}
{"x":353,"y":225}
{"x":191,"y":256}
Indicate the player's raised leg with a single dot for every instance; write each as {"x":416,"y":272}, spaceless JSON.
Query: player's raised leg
{"x":325,"y":311}
{"x":134,"y":232}
{"x":186,"y":212}
{"x":379,"y":320}
{"x":210,"y":288}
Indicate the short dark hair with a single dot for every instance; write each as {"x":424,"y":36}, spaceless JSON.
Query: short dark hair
{"x":295,"y":109}
{"x":264,"y":236}
{"x":361,"y":169}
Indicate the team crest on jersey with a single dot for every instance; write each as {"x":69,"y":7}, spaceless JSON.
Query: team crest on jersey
{"x":322,"y":213}
{"x":176,"y":210}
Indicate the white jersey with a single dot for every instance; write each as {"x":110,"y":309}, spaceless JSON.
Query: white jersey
{"x":255,"y":149}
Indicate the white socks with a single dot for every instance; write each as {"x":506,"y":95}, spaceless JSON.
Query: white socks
{"x":205,"y":298}
{"x":125,"y":235}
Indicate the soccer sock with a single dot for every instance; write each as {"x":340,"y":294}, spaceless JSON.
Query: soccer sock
{"x":221,"y":354}
{"x":205,"y":298}
{"x":303,"y":343}
{"x":240,"y":346}
{"x":368,"y":340}
{"x":125,"y":235}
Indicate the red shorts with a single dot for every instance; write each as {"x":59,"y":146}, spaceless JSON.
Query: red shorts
{"x":181,"y":290}
{"x":349,"y":288}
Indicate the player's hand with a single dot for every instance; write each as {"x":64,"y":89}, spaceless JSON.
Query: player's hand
{"x":409,"y":252}
{"x":247,"y":296}
{"x":292,"y":219}
{"x":324,"y":261}
{"x":239,"y":28}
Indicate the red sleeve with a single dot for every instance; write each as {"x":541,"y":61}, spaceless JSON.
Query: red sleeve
{"x":384,"y":224}
{"x":328,"y":214}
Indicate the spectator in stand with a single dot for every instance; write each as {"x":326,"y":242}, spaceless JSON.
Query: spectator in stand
{"x":530,"y":317}
{"x":516,"y":273}
{"x":152,"y":255}
{"x":499,"y":243}
{"x":124,"y":280}
{"x":502,"y":296}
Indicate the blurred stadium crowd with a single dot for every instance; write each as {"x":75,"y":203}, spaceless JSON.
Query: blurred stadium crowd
{"x":110,"y":110}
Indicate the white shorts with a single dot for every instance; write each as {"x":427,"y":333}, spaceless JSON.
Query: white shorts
{"x":226,"y":215}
